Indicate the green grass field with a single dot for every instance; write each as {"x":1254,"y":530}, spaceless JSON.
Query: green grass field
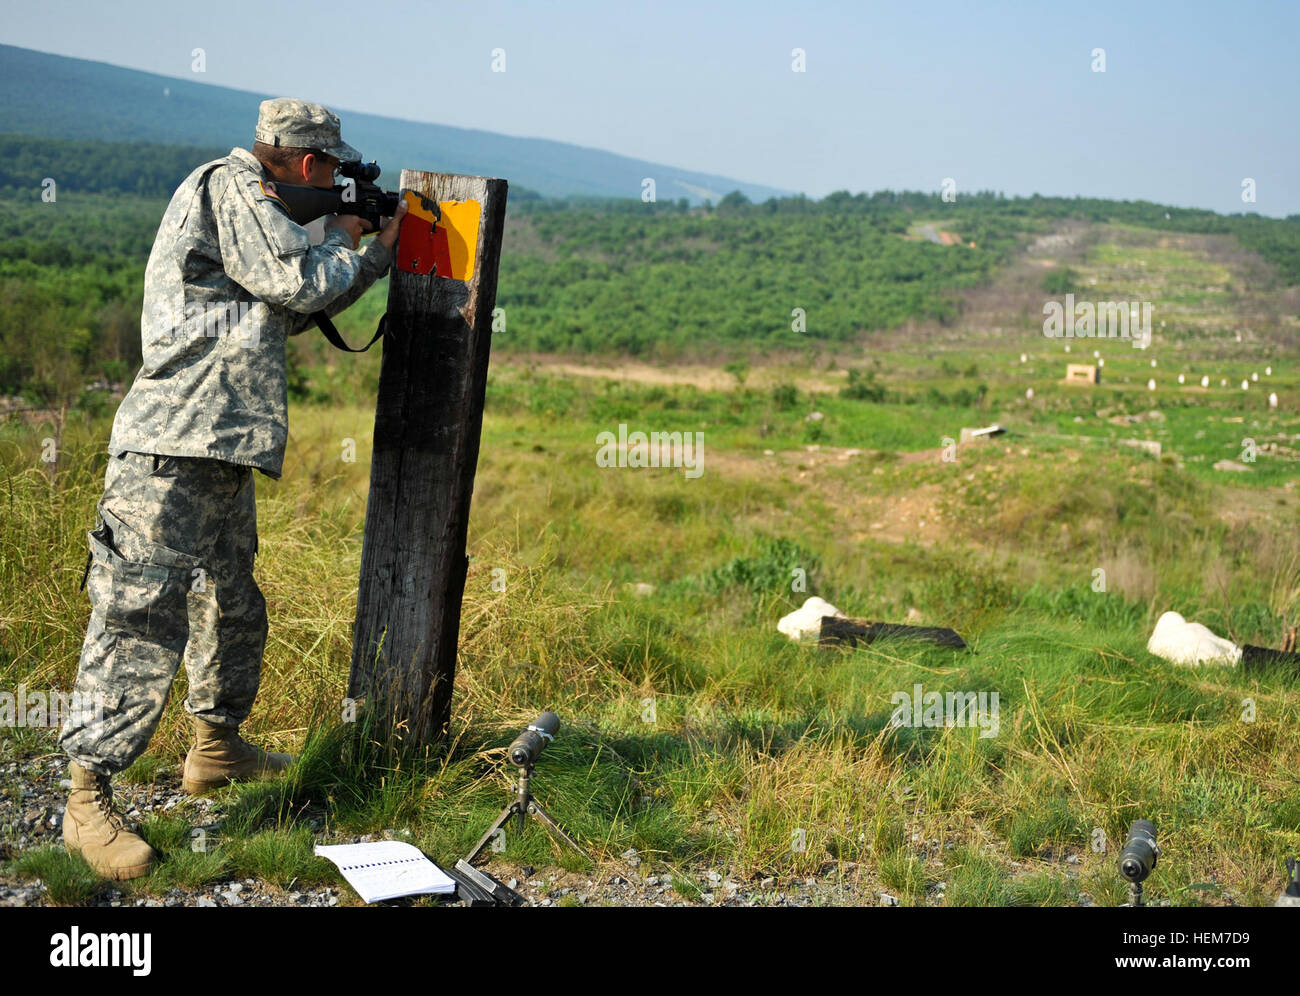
{"x":699,"y":735}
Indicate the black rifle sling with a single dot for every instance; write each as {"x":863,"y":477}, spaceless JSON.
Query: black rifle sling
{"x":332,"y":334}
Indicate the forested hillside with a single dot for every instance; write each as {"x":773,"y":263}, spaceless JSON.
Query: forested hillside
{"x":661,"y":280}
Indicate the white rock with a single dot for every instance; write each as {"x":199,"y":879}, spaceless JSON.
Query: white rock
{"x":1205,"y":382}
{"x":1181,"y":642}
{"x":1272,"y":400}
{"x":806,"y":621}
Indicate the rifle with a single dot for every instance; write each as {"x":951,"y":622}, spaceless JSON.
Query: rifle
{"x":363,"y":197}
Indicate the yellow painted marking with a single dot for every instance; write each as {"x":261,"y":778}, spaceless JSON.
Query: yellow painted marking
{"x":461,"y":220}
{"x":413,"y":207}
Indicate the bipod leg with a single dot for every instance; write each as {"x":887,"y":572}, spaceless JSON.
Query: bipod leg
{"x":536,"y":809}
{"x":502,"y":820}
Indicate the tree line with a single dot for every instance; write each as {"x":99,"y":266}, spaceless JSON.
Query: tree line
{"x":583,"y":275}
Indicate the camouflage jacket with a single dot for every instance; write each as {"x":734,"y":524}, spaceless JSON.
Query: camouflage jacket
{"x":230,"y":277}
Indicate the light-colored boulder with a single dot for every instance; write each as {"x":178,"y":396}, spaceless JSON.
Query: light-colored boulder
{"x":805,"y":622}
{"x":1190,"y":644}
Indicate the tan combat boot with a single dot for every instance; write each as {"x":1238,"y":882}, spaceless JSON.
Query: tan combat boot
{"x":91,"y":827}
{"x":220,"y":756}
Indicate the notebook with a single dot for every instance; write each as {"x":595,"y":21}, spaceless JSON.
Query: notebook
{"x":387,"y":869}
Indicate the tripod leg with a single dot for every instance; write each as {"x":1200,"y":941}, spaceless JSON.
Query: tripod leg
{"x":536,"y":809}
{"x":502,"y":820}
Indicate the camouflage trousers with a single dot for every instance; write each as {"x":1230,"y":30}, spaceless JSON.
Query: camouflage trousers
{"x":170,"y":579}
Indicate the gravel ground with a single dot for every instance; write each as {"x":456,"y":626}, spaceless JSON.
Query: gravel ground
{"x":33,"y":792}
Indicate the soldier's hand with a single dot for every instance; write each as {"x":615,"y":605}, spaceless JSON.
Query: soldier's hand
{"x":389,"y":234}
{"x":351,"y":224}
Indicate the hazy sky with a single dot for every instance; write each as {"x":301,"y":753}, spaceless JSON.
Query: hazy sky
{"x":1194,"y":99}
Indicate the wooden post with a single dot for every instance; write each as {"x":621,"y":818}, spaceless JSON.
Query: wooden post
{"x":427,"y":424}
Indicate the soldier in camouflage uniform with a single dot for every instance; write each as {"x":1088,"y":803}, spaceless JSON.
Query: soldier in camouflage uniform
{"x":230,"y":278}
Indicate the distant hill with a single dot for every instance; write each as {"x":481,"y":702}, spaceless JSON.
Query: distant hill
{"x":54,"y":96}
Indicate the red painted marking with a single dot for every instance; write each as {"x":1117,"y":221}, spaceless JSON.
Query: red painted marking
{"x":441,"y":251}
{"x":416,"y":246}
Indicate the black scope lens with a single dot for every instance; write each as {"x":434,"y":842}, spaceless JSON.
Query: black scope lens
{"x":1140,"y":852}
{"x":530,"y":744}
{"x":366,"y":172}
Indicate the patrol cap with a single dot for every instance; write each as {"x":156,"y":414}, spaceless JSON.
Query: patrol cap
{"x":299,"y":124}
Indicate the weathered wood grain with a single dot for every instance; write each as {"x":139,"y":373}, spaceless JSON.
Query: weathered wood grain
{"x":428,"y":420}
